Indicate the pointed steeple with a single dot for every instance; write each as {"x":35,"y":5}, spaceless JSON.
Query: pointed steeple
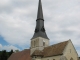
{"x":40,"y":12}
{"x":40,"y":30}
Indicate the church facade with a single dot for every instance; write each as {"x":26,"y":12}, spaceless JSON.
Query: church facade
{"x":40,"y":48}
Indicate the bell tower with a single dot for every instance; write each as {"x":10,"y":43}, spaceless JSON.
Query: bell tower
{"x":39,"y":39}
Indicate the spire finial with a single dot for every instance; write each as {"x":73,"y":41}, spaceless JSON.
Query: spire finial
{"x":40,"y":12}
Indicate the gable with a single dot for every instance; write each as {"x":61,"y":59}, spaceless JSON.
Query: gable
{"x":70,"y":51}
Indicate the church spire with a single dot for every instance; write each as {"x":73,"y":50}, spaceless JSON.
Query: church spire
{"x":40,"y":12}
{"x":40,"y":30}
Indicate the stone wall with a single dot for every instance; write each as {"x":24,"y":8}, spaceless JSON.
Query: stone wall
{"x":70,"y":51}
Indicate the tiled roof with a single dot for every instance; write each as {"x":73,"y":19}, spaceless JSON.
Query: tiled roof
{"x":56,"y":49}
{"x":52,"y":50}
{"x":37,"y":53}
{"x":23,"y":55}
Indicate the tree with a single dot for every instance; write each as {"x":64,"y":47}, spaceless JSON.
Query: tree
{"x":10,"y":52}
{"x":4,"y":55}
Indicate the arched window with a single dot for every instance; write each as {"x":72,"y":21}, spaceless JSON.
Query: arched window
{"x":71,"y":59}
{"x":43,"y":43}
{"x":34,"y":43}
{"x":31,"y":44}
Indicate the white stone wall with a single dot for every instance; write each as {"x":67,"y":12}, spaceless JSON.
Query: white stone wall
{"x":37,"y":44}
{"x":70,"y":51}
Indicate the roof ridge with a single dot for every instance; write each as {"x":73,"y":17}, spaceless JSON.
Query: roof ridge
{"x":60,"y":42}
{"x":57,"y":43}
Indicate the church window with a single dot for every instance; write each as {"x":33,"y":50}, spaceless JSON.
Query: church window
{"x":70,"y":50}
{"x":31,"y":43}
{"x":43,"y":43}
{"x":71,"y":59}
{"x":34,"y":43}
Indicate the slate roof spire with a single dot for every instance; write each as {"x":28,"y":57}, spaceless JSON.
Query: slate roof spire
{"x":40,"y":12}
{"x":40,"y":30}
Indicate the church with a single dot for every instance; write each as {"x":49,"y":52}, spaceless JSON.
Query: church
{"x":40,"y":48}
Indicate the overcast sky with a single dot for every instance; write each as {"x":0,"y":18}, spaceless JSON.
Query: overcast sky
{"x":18,"y":21}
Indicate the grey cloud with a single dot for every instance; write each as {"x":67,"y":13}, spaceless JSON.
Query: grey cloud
{"x":18,"y":18}
{"x":6,"y":10}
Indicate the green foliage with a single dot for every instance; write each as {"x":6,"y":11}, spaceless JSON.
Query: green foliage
{"x":5,"y":55}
